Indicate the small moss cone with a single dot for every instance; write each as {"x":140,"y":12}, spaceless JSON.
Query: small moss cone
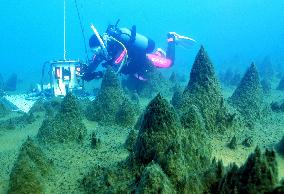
{"x":3,"y":110}
{"x":2,"y":82}
{"x":8,"y":124}
{"x":154,"y":180}
{"x":177,"y":98}
{"x":280,"y":146}
{"x":266,"y":86}
{"x":107,"y":103}
{"x":2,"y":93}
{"x":11,"y":83}
{"x":159,"y":127}
{"x":174,"y":84}
{"x":50,"y":107}
{"x":227,"y":76}
{"x":66,"y":126}
{"x":153,"y":84}
{"x":266,"y":68}
{"x":156,"y":83}
{"x":233,"y":143}
{"x":38,"y":106}
{"x":203,"y":90}
{"x":281,"y":84}
{"x":173,"y":78}
{"x":95,"y":141}
{"x":247,"y":98}
{"x":29,"y":171}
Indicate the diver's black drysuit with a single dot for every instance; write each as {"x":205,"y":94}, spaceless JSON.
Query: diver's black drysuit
{"x":137,"y":63}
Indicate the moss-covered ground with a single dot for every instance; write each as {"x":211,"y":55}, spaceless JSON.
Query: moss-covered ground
{"x":72,"y":161}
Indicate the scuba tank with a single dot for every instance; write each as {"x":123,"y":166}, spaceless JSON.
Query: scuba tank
{"x":131,"y":38}
{"x":136,"y":40}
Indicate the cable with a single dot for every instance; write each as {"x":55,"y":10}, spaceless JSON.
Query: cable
{"x":42,"y":74}
{"x":82,"y":29}
{"x":64,"y":33}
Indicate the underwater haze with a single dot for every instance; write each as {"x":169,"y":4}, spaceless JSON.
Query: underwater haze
{"x":213,"y":123}
{"x":244,"y":31}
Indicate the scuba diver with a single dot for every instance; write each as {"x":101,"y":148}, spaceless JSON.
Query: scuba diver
{"x":129,"y":52}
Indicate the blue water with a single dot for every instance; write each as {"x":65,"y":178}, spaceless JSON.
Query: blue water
{"x":232,"y":31}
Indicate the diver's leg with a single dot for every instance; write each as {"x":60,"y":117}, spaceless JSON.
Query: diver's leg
{"x":171,"y":49}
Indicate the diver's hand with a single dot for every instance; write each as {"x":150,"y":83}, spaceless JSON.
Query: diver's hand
{"x":84,"y":69}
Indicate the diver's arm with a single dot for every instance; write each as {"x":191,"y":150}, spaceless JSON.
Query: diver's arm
{"x":89,"y":72}
{"x":94,"y":75}
{"x":94,"y":63}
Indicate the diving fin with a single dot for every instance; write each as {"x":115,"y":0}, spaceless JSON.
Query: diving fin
{"x":183,"y":41}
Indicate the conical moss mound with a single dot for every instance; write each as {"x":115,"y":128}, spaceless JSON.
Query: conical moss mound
{"x":11,"y":83}
{"x":173,"y":82}
{"x":67,"y":125}
{"x":29,"y":171}
{"x":108,"y":100}
{"x":247,"y":98}
{"x":50,"y":107}
{"x":171,"y":154}
{"x":281,"y":84}
{"x":260,"y":171}
{"x":154,"y":82}
{"x":202,"y":75}
{"x":203,"y":90}
{"x":3,"y":110}
{"x":70,"y":107}
{"x":266,"y":86}
{"x":280,"y":146}
{"x":154,"y":180}
{"x":162,"y":139}
{"x":266,"y":69}
{"x":177,"y":98}
{"x":173,"y":78}
{"x":2,"y":82}
{"x":109,"y":103}
{"x":110,"y":80}
{"x":258,"y":175}
{"x":158,"y":129}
